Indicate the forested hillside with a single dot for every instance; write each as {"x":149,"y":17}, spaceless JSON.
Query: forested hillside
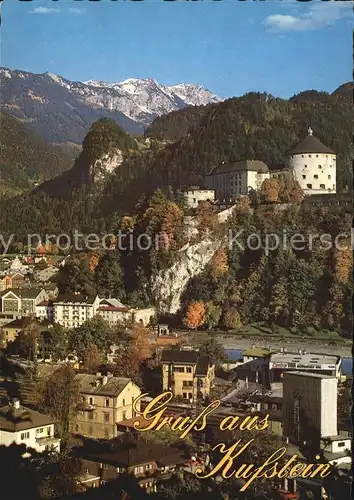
{"x":26,"y":158}
{"x":255,"y":126}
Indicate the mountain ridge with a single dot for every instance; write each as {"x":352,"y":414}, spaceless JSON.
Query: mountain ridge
{"x":62,"y":110}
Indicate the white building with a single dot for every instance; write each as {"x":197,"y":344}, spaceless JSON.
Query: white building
{"x":313,"y":165}
{"x":21,"y":425}
{"x":230,"y":180}
{"x":72,"y":310}
{"x":303,"y":361}
{"x":309,"y":406}
{"x":23,"y":300}
{"x":45,"y":310}
{"x":194,"y":195}
{"x":113,"y":311}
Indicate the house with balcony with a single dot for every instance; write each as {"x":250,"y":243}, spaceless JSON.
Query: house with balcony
{"x":72,"y":310}
{"x":22,"y":425}
{"x":105,"y":401}
{"x":187,"y":374}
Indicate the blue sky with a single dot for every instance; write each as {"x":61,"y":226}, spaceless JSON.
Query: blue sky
{"x":231,"y":47}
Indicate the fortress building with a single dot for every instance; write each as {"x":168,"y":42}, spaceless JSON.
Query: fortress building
{"x":313,"y":165}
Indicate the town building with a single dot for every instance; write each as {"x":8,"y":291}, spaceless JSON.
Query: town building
{"x":72,"y":310}
{"x":314,"y":165}
{"x":309,"y":407}
{"x":303,"y":361}
{"x":194,"y":195}
{"x":15,"y":280}
{"x":113,"y":311}
{"x":148,"y":463}
{"x":21,"y":300}
{"x":187,"y":374}
{"x":105,"y":401}
{"x":230,"y":180}
{"x":22,"y":425}
{"x":45,"y":310}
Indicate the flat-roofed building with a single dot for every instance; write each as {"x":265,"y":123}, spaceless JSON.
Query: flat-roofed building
{"x":309,"y":407}
{"x":303,"y":361}
{"x":194,"y":195}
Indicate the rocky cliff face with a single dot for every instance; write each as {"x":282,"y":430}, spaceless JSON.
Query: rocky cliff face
{"x":168,"y":285}
{"x":105,"y":165}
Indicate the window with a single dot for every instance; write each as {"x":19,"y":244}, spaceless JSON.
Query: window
{"x":90,"y":415}
{"x":302,"y":156}
{"x":25,"y":435}
{"x":39,"y":431}
{"x":179,"y":369}
{"x":341,"y":444}
{"x":124,"y":415}
{"x":189,"y":369}
{"x":117,"y":469}
{"x":305,"y":166}
{"x":184,"y":395}
{"x":105,"y":416}
{"x":315,"y":176}
{"x":316,"y":156}
{"x":107,"y":402}
{"x":329,"y":177}
{"x":319,"y":166}
{"x":322,"y":186}
{"x":309,"y":156}
{"x":304,"y":176}
{"x":309,"y":186}
{"x":91,"y":401}
{"x":123,"y":403}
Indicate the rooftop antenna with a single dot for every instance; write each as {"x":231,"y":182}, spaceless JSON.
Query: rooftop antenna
{"x":310,"y":131}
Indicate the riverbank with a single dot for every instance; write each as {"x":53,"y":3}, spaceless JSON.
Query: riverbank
{"x":313,"y":345}
{"x":340,"y":347}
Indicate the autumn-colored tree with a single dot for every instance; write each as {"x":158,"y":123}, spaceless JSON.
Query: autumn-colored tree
{"x":290,"y":191}
{"x":93,"y":258}
{"x":219,"y":264}
{"x":231,"y":319}
{"x":92,"y":359}
{"x":140,"y":342}
{"x":195,"y":316}
{"x":207,"y":218}
{"x":343,"y":262}
{"x":269,"y":192}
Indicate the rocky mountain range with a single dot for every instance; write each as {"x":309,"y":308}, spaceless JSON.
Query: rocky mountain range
{"x":61,"y":110}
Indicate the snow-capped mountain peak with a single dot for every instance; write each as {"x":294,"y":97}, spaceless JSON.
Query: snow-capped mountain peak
{"x":141,"y":100}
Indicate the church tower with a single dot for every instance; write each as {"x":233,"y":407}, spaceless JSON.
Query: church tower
{"x":313,"y":165}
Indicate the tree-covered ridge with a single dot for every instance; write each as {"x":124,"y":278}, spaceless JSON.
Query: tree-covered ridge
{"x":255,"y":126}
{"x":26,"y":158}
{"x":174,"y":125}
{"x":104,"y":140}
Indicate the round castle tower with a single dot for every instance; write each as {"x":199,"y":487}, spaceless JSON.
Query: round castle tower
{"x":313,"y":165}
